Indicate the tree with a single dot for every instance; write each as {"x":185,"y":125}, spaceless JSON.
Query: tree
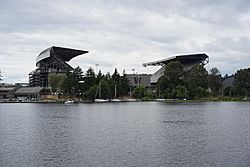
{"x":163,"y":89}
{"x":77,"y":76}
{"x":124,"y":84}
{"x":70,"y":85}
{"x":180,"y":92}
{"x":91,"y":93}
{"x":215,"y":81}
{"x":55,"y":82}
{"x":242,"y":82}
{"x":99,"y":77}
{"x":89,"y":79}
{"x":174,"y":73}
{"x":67,"y":84}
{"x":173,"y":77}
{"x":116,"y":77}
{"x":105,"y":89}
{"x":197,"y":77}
{"x":139,"y":92}
{"x":199,"y":93}
{"x":115,"y":84}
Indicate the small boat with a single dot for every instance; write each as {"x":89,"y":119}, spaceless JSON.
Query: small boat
{"x":68,"y":102}
{"x":131,"y":100}
{"x":116,"y":100}
{"x":101,"y":100}
{"x":160,"y":99}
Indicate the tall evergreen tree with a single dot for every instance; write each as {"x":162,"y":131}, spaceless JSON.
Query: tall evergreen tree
{"x":215,"y":81}
{"x":99,"y":77}
{"x":89,"y":79}
{"x":77,"y":77}
{"x":173,"y":77}
{"x":195,"y":78}
{"x":242,"y":82}
{"x":115,"y":86}
{"x":174,"y":72}
{"x":124,"y":84}
{"x":67,"y":84}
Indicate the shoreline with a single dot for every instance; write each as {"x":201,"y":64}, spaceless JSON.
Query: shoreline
{"x":140,"y":100}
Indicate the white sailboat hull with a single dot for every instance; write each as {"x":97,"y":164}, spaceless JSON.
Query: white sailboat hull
{"x":101,"y":100}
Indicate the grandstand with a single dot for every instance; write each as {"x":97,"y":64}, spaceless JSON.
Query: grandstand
{"x":52,"y":61}
{"x":188,"y":62}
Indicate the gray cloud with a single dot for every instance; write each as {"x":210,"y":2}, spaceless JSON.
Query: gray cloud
{"x":123,"y":34}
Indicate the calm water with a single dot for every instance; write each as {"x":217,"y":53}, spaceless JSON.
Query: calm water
{"x":125,"y":134}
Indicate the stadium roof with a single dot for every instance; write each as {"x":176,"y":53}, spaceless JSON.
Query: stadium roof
{"x":66,"y":54}
{"x":184,"y":59}
{"x":29,"y":90}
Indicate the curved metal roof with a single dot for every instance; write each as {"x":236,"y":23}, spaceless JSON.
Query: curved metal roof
{"x":184,"y":59}
{"x":66,"y":54}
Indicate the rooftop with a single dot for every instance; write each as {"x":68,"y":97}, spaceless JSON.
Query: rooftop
{"x":184,"y":59}
{"x":29,"y":90}
{"x":66,"y":54}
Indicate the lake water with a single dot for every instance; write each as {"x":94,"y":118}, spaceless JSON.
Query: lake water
{"x":125,"y":134}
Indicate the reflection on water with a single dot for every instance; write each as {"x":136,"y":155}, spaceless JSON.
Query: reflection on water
{"x":125,"y":134}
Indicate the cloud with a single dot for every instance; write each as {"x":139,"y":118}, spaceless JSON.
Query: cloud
{"x":123,"y":34}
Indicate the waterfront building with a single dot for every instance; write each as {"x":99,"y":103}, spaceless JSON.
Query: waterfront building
{"x":27,"y":93}
{"x":7,"y":92}
{"x":188,"y":61}
{"x":52,"y":61}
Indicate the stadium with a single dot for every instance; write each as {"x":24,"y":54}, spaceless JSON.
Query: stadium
{"x":52,"y":61}
{"x":188,"y":61}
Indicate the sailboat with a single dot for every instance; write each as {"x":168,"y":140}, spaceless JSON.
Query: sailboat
{"x":100,"y":100}
{"x":115,"y":99}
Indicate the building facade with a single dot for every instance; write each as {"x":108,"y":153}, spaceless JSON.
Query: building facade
{"x":139,"y":79}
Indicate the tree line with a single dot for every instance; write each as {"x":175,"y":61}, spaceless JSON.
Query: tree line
{"x":77,"y":84}
{"x":195,"y":83}
{"x":198,"y":83}
{"x":241,"y":86}
{"x":176,"y":83}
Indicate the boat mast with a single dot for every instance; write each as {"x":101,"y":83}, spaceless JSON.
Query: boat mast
{"x":100,"y":95}
{"x":115,"y":90}
{"x":1,"y":75}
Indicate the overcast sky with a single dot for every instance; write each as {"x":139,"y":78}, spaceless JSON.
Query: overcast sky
{"x":123,"y":33}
